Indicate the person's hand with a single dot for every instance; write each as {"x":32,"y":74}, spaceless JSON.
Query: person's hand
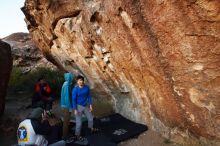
{"x":75,"y":112}
{"x":45,"y":88}
{"x":50,"y":98}
{"x":54,"y":121}
{"x":44,"y":116}
{"x":90,"y":108}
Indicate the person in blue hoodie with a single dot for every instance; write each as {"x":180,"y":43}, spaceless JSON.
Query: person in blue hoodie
{"x":66,"y":102}
{"x":82,"y":103}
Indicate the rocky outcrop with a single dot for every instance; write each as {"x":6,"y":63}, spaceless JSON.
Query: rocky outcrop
{"x":5,"y":66}
{"x":26,"y":55}
{"x":157,"y":60}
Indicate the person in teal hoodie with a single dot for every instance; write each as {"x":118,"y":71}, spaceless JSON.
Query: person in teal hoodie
{"x":66,"y":102}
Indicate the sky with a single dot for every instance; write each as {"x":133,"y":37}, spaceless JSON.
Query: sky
{"x":11,"y":17}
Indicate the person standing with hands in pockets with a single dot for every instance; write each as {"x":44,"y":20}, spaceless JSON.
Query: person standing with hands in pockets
{"x":82,"y":103}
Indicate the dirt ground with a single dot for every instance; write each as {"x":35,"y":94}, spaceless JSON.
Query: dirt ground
{"x":17,"y":109}
{"x":149,"y":138}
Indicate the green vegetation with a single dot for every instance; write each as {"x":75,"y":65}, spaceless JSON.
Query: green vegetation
{"x":167,"y":141}
{"x":26,"y":82}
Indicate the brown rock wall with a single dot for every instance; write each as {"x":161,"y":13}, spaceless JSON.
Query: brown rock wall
{"x":157,"y":60}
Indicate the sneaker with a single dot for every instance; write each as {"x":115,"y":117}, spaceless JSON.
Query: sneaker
{"x":70,"y":139}
{"x":80,"y":138}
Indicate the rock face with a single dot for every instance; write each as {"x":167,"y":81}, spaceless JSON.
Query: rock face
{"x":26,"y":55}
{"x":5,"y":66}
{"x":159,"y":61}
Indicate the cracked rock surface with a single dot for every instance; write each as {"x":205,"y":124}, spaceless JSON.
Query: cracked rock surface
{"x":157,"y":61}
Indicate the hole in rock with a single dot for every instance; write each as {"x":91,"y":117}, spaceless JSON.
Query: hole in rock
{"x":120,"y":10}
{"x":96,"y":17}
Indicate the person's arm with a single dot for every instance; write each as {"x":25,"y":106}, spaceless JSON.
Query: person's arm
{"x":48,"y":89}
{"x":89,"y":99}
{"x":74,"y":98}
{"x":37,"y":88}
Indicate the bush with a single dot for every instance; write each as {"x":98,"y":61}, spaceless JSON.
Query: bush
{"x":26,"y":82}
{"x":167,"y":141}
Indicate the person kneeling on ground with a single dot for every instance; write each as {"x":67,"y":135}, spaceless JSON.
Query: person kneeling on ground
{"x":40,"y":128}
{"x":82,"y":103}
